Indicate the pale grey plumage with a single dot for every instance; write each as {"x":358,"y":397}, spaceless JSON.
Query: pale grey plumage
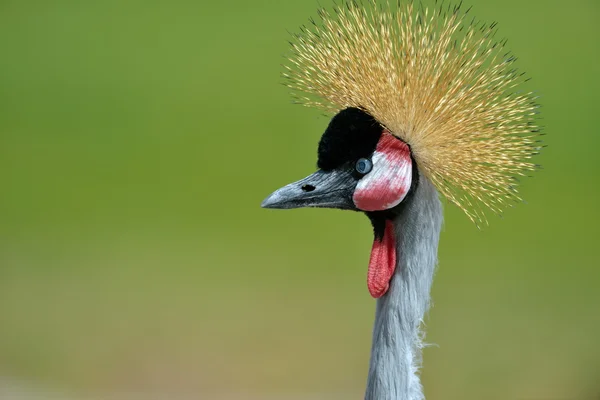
{"x":396,"y":348}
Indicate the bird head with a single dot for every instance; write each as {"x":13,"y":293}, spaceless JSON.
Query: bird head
{"x":415,"y":94}
{"x":362,"y":167}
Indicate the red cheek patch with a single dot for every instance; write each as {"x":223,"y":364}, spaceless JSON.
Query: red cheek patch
{"x":383,"y":188}
{"x":388,"y":183}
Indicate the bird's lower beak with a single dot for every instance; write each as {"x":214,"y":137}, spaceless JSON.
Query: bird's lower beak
{"x":332,"y":189}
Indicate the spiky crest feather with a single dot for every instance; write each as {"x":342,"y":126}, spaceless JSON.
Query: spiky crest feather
{"x":441,"y":83}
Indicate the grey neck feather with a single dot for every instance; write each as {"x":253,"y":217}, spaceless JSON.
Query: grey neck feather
{"x":396,"y":349}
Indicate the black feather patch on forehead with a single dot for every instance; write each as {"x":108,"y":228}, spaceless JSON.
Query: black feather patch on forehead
{"x":351,"y":134}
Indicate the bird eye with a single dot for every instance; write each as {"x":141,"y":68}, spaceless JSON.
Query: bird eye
{"x":364,"y":166}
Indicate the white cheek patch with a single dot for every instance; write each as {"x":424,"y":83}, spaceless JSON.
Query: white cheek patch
{"x":388,"y":183}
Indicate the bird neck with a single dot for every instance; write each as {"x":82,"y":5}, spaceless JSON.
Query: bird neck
{"x":396,"y":349}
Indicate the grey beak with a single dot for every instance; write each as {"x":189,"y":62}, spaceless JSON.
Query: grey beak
{"x":332,"y":189}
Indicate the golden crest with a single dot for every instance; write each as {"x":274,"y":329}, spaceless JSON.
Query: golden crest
{"x":438,"y":80}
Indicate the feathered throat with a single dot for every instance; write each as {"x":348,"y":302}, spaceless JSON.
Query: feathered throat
{"x":438,"y":80}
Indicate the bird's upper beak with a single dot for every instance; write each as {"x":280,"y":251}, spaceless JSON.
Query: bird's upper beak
{"x":324,"y":189}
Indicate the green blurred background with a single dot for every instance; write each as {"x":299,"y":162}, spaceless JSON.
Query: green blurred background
{"x":137,"y":141}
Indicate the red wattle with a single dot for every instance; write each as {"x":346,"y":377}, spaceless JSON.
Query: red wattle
{"x":382,"y":263}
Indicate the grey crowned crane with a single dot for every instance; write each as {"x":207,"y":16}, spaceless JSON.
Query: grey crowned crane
{"x":424,"y":102}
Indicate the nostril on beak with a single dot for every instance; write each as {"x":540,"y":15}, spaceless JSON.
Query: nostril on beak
{"x":308,"y":188}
